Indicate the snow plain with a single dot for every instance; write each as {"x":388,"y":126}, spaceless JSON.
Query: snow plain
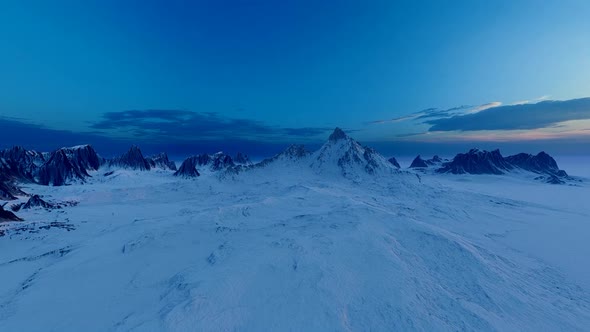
{"x":284,"y":248}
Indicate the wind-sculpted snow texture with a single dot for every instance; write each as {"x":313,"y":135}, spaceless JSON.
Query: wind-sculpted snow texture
{"x":337,"y":240}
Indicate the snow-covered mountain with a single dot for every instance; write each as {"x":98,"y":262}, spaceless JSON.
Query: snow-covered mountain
{"x":20,"y":164}
{"x":161,"y":161}
{"x":68,"y":164}
{"x":492,"y":162}
{"x":291,"y":243}
{"x":293,"y":154}
{"x":132,"y":159}
{"x":84,"y":157}
{"x":188,"y":168}
{"x":542,"y":163}
{"x":59,"y":170}
{"x":194,"y":165}
{"x":418,"y":162}
{"x":394,"y":162}
{"x":342,"y":154}
{"x":477,"y":162}
{"x":242,"y":159}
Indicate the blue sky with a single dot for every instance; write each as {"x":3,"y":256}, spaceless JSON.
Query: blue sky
{"x":265,"y":73}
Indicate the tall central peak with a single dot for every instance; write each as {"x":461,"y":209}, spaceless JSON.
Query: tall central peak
{"x":338,"y":134}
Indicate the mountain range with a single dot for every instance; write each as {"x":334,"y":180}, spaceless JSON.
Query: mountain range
{"x":340,"y":155}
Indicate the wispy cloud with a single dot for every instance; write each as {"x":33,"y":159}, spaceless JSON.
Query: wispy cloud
{"x":436,"y":113}
{"x":483,"y":107}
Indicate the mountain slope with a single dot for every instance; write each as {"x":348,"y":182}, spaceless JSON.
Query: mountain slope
{"x":161,"y":161}
{"x":132,"y":159}
{"x":477,"y":162}
{"x":342,"y":154}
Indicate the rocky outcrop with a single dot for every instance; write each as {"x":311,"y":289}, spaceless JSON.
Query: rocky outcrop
{"x":242,"y":159}
{"x":84,"y":157}
{"x":477,"y":162}
{"x":188,"y":168}
{"x":418,"y":162}
{"x":9,"y":191}
{"x":7,"y":215}
{"x":60,"y":170}
{"x":492,"y":162}
{"x":36,"y":201}
{"x":292,"y":154}
{"x":132,"y":159}
{"x":55,"y":168}
{"x":394,"y":162}
{"x":20,"y":164}
{"x":345,"y":155}
{"x":161,"y":161}
{"x":542,"y":163}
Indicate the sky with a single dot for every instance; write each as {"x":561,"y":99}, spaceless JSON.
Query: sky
{"x":407,"y":77}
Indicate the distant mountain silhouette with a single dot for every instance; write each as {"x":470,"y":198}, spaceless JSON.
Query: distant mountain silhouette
{"x":492,"y":162}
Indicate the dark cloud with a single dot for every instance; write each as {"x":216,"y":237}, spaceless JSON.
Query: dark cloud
{"x":511,"y":117}
{"x":180,"y":124}
{"x":177,"y":132}
{"x":37,"y":137}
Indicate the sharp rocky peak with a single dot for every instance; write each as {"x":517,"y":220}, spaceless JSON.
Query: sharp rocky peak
{"x":349,"y":157}
{"x":337,"y":134}
{"x":132,"y":159}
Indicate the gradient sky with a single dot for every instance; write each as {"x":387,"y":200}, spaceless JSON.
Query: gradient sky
{"x":398,"y":72}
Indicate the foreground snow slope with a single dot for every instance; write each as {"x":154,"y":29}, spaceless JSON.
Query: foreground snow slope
{"x":291,"y":250}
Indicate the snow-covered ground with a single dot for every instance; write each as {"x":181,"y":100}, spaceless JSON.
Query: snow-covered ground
{"x":283,"y":248}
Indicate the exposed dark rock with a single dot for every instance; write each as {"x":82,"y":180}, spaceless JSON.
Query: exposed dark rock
{"x":54,"y":168}
{"x":8,"y":189}
{"x":161,"y":161}
{"x":542,"y":163}
{"x":60,"y":170}
{"x":551,"y":178}
{"x":132,"y":159}
{"x":418,"y":162}
{"x":84,"y":157}
{"x":337,"y":134}
{"x":477,"y":162}
{"x":37,"y":201}
{"x":242,"y":159}
{"x":216,"y":162}
{"x":293,"y":153}
{"x":19,"y":164}
{"x":7,"y":215}
{"x":349,"y":157}
{"x":394,"y":162}
{"x":188,"y":168}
